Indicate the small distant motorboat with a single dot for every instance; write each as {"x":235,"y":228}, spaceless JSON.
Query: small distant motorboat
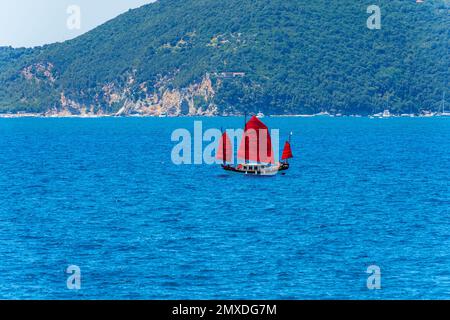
{"x":260,"y":115}
{"x":255,"y":162}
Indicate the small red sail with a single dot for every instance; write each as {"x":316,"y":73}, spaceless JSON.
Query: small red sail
{"x":225,"y":151}
{"x":256,"y":144}
{"x":287,"y":152}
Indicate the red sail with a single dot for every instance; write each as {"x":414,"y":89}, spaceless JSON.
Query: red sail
{"x":256,"y":144}
{"x":287,"y":152}
{"x":225,"y":151}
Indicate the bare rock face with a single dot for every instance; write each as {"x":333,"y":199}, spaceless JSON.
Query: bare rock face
{"x":171,"y":102}
{"x":70,"y":108}
{"x":161,"y":99}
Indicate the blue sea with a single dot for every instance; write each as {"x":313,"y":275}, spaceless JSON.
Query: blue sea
{"x":103,"y":194}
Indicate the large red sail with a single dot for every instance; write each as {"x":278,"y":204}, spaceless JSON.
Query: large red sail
{"x":287,"y":152}
{"x":256,"y":144}
{"x":225,"y":151}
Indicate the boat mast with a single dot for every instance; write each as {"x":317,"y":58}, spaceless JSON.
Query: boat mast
{"x":224,"y":152}
{"x":443,"y":102}
{"x":445,"y":80}
{"x":245,"y":137}
{"x":289,"y":139}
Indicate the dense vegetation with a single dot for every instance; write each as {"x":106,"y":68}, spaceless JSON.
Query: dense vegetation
{"x":298,"y":56}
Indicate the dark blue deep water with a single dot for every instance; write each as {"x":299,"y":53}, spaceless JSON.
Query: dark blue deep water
{"x":103,"y":194}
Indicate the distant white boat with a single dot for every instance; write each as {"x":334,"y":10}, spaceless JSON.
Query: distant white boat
{"x":260,"y":115}
{"x":163,"y":115}
{"x":386,"y":114}
{"x":427,"y":114}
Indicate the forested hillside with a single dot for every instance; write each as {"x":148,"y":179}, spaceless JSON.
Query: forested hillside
{"x":192,"y":57}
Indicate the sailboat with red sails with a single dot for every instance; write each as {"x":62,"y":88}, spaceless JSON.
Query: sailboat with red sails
{"x":255,"y":151}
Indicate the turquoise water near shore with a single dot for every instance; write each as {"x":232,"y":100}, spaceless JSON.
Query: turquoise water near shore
{"x":104,"y":195}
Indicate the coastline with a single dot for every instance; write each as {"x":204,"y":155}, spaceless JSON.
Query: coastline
{"x":90,"y":116}
{"x":39,"y":115}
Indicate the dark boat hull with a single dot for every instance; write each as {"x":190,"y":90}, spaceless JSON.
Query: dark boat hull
{"x":274,"y":171}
